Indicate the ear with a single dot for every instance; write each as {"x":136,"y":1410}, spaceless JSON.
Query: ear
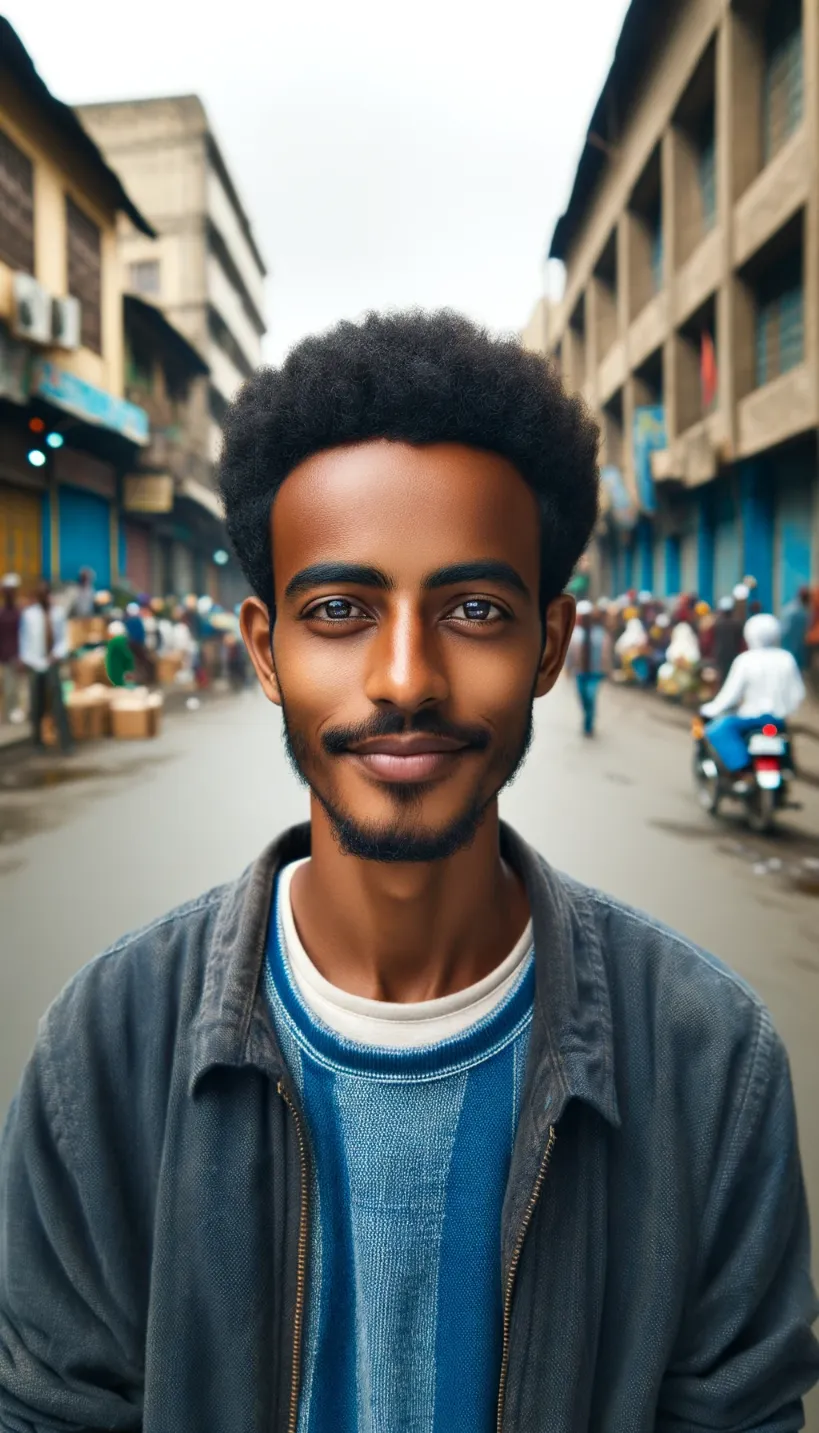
{"x":255,"y":624}
{"x":558,"y":627}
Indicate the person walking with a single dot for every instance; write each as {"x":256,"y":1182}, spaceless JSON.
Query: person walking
{"x":10,"y":669}
{"x":727,"y":639}
{"x":404,"y":1129}
{"x":795,"y":625}
{"x":43,"y":646}
{"x":589,"y":661}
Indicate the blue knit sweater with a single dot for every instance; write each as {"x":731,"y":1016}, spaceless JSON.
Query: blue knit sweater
{"x":410,"y":1158}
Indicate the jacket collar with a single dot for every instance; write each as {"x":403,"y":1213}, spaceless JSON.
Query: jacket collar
{"x":572,"y":1046}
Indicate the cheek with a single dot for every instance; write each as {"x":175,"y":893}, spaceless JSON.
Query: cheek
{"x":316,"y":676}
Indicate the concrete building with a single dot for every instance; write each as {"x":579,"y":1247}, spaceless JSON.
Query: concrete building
{"x":690,"y":318}
{"x":205,"y":270}
{"x":67,"y":433}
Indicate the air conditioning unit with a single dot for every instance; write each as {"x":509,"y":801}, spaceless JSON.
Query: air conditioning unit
{"x":32,"y":309}
{"x":65,"y":322}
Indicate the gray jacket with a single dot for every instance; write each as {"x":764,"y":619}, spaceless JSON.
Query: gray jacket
{"x":154,"y":1179}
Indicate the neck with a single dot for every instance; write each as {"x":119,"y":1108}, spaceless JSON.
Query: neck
{"x":407,"y":932}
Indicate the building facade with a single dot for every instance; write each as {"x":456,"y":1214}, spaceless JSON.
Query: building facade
{"x":67,"y":432}
{"x":689,"y":320}
{"x":205,"y":270}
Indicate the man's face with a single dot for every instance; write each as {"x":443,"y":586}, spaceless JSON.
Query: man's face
{"x":408,"y":644}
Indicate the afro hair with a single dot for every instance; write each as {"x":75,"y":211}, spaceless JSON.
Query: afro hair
{"x":415,"y":378}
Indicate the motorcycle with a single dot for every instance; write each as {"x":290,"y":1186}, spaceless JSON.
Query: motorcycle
{"x":764,"y":788}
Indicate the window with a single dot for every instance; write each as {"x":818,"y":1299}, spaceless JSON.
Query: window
{"x":780,"y":324}
{"x":783,"y":94}
{"x":84,"y":272}
{"x":144,"y":276}
{"x":708,"y":183}
{"x":16,"y":206}
{"x":657,"y":258}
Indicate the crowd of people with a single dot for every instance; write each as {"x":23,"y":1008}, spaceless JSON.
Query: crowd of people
{"x":684,"y":648}
{"x":40,"y":634}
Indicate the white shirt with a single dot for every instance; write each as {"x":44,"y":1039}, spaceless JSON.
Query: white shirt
{"x":765,"y":682}
{"x":33,"y":637}
{"x":379,"y":1022}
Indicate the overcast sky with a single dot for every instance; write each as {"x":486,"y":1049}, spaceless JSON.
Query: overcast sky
{"x":388,"y":154}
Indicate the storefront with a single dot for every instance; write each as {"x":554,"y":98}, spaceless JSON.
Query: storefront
{"x":794,"y":515}
{"x":24,"y":510}
{"x":138,"y":557}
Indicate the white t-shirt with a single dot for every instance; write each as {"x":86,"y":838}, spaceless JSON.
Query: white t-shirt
{"x":764,"y":682}
{"x":380,"y":1022}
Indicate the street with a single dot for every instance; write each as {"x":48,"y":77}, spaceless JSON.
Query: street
{"x":103,"y":843}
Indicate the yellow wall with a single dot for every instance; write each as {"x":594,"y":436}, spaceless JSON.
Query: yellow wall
{"x":55,"y":176}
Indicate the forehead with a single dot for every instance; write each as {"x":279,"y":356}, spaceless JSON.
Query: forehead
{"x":406,"y":508}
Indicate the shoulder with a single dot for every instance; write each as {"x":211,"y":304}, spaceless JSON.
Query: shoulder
{"x":685,"y":1026}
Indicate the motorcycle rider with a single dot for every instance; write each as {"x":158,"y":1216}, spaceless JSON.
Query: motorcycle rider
{"x":763,"y":685}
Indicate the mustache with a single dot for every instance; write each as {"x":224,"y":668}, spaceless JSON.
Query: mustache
{"x":430,"y":723}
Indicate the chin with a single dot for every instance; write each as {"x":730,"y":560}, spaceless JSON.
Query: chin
{"x":404,"y":836}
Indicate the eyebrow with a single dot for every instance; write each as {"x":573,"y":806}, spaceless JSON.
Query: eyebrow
{"x":357,"y":574}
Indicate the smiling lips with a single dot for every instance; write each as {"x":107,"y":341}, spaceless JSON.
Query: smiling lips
{"x":408,"y":758}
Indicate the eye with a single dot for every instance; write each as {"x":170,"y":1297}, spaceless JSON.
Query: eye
{"x":479,"y":610}
{"x":335,"y":610}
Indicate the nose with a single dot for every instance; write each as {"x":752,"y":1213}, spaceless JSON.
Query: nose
{"x":406,"y":667}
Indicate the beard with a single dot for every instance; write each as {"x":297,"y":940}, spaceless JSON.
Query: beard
{"x":400,"y":840}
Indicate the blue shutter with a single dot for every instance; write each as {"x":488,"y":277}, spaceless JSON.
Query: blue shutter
{"x":85,"y":535}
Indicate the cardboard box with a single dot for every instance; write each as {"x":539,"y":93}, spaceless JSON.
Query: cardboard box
{"x":89,"y":713}
{"x":168,"y":667}
{"x":85,"y":632}
{"x":89,"y":669}
{"x":136,"y":716}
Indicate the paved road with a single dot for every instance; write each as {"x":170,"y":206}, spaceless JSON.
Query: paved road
{"x":138,"y":829}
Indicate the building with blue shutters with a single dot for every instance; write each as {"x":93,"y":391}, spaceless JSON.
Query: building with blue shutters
{"x":690,"y":314}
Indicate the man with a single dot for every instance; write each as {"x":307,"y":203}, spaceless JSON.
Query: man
{"x":764,"y":683}
{"x":43,"y":646}
{"x":795,"y":624}
{"x":589,"y":661}
{"x":728,"y":641}
{"x":10,"y":649}
{"x":403,"y":1130}
{"x":84,"y":603}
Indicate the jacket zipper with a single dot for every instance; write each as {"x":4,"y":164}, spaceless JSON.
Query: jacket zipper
{"x":513,"y":1268}
{"x":301,"y":1265}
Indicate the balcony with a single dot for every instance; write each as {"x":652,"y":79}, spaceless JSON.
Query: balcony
{"x":779,"y":410}
{"x":774,"y":196}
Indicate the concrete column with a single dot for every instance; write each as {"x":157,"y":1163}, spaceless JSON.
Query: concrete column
{"x":727,"y":60}
{"x":592,"y":346}
{"x":810,"y":21}
{"x":624,"y":276}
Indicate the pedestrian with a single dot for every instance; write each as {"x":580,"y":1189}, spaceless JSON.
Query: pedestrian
{"x":144,"y":660}
{"x":764,"y":684}
{"x":795,"y":624}
{"x":84,"y":602}
{"x":10,"y":666}
{"x":728,"y":640}
{"x":403,"y":1129}
{"x":43,"y":646}
{"x":589,"y":661}
{"x":120,"y":661}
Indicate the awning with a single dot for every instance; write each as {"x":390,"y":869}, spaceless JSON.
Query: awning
{"x":93,"y":405}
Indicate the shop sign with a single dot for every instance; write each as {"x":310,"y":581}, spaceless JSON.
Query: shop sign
{"x":649,"y":436}
{"x":93,"y":405}
{"x":15,"y":368}
{"x":148,"y":492}
{"x":623,"y":508}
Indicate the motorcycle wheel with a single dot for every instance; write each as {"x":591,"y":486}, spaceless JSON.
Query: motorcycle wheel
{"x":762,"y":811}
{"x":707,"y":788}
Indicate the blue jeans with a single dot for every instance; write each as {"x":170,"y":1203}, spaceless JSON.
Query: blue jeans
{"x":587,"y":688}
{"x":727,"y":738}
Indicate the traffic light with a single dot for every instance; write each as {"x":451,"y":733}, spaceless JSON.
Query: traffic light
{"x":41,"y":435}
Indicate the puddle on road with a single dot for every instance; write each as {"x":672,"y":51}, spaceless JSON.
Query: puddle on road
{"x":689,"y":829}
{"x":619,"y":779}
{"x":26,"y":807}
{"x":48,"y":777}
{"x":786,"y":856}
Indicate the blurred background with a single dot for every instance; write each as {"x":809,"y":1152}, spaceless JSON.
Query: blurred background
{"x":634,"y":190}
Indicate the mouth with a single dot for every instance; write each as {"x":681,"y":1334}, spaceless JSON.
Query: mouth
{"x":408,"y":759}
